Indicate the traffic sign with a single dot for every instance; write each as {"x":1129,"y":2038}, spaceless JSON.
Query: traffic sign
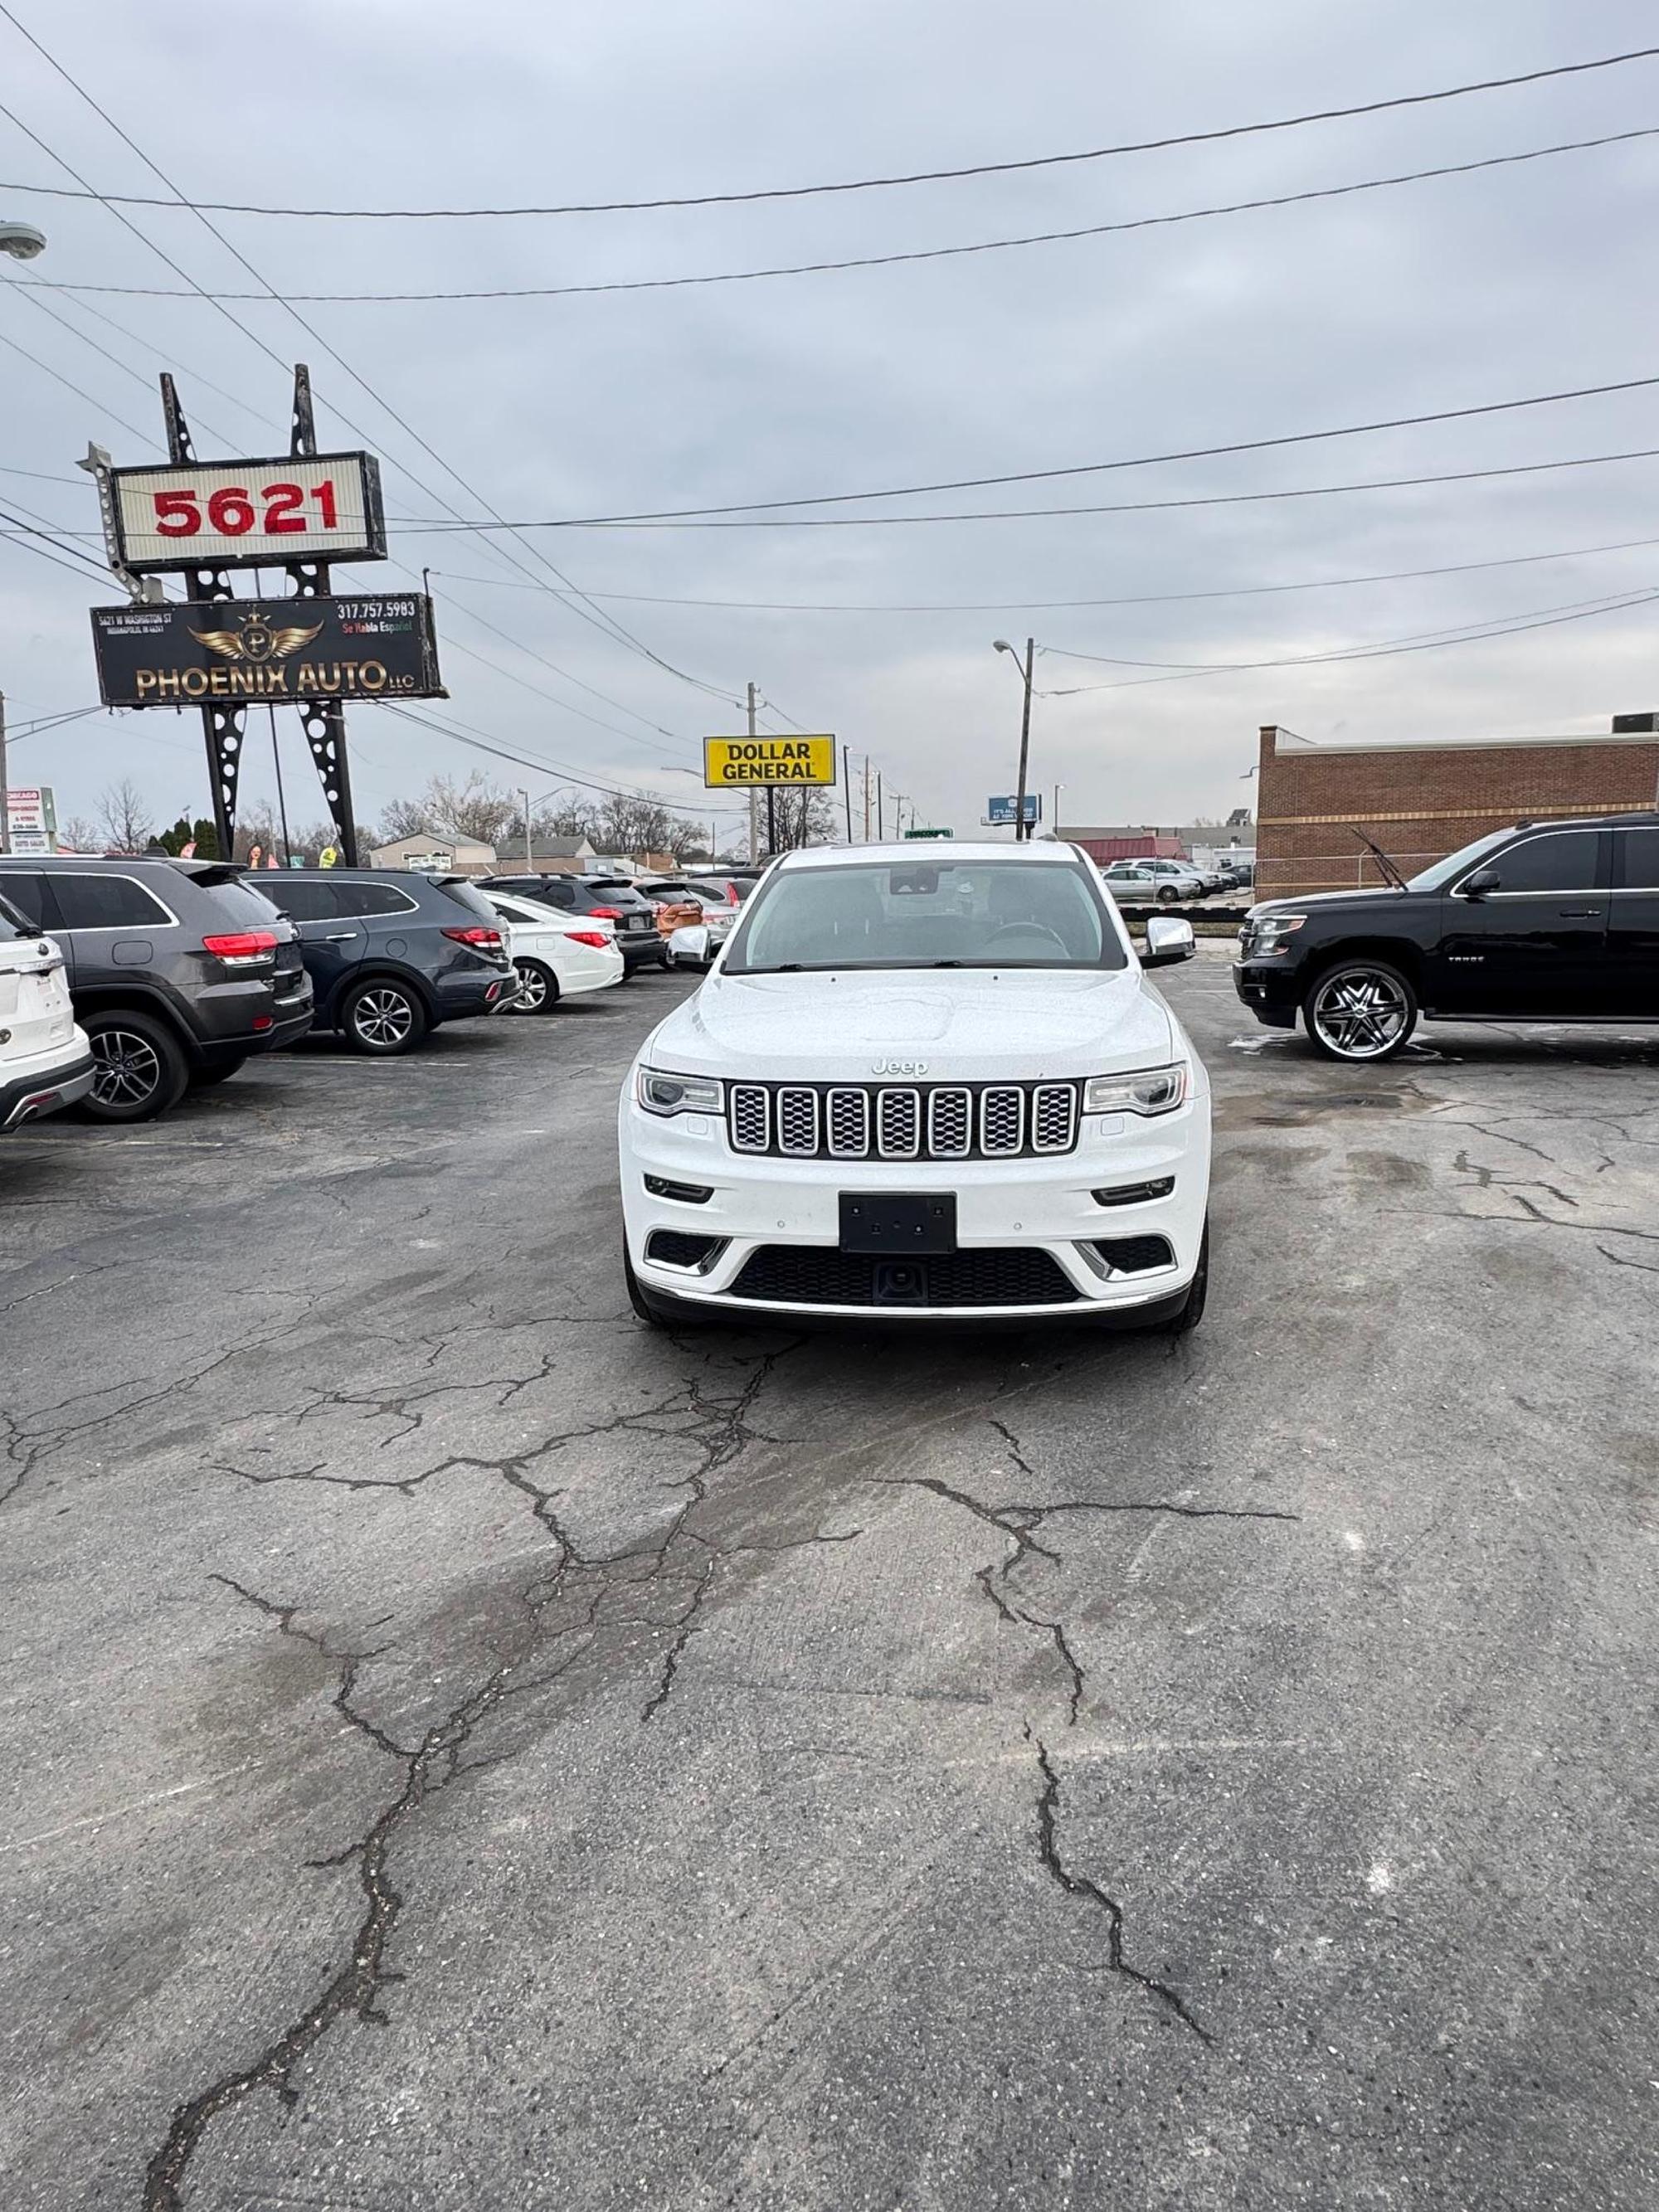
{"x":728,"y":762}
{"x":929,"y":833}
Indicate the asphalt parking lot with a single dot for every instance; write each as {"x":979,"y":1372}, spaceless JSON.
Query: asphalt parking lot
{"x":465,"y":1751}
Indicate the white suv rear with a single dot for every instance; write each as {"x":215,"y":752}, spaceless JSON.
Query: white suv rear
{"x":46,"y":1062}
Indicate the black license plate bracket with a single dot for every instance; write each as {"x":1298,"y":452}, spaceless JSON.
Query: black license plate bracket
{"x":898,"y":1224}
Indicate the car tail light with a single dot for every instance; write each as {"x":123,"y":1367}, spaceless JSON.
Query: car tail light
{"x":605,"y":913}
{"x":587,"y":937}
{"x":477,"y":934}
{"x":264,"y":1021}
{"x":242,"y":948}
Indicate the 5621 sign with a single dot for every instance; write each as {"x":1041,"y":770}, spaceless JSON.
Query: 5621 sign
{"x":245,"y":514}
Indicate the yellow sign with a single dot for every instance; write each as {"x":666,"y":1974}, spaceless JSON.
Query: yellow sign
{"x":729,"y":761}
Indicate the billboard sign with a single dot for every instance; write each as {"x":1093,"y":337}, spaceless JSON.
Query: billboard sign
{"x":32,"y":807}
{"x":188,"y":653}
{"x":29,"y":840}
{"x":729,"y":762}
{"x":1000,"y":811}
{"x":246,"y":515}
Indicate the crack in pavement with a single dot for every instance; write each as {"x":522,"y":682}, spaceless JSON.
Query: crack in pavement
{"x":1080,"y":1886}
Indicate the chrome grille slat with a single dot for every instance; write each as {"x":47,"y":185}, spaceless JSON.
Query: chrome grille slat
{"x":898,"y":1124}
{"x":904,"y":1122}
{"x":1001,"y":1120}
{"x":1054,"y":1118}
{"x":751,"y":1117}
{"x":950,"y":1124}
{"x":848,"y":1124}
{"x":798,"y":1121}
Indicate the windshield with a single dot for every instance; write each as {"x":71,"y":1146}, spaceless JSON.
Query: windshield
{"x":1436,"y":877}
{"x":884,"y":914}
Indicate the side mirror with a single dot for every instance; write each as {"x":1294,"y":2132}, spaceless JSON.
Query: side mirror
{"x":1482,"y":881}
{"x":688,"y":946}
{"x":1168,"y":939}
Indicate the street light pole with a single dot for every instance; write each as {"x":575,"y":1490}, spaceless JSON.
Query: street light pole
{"x":1022,"y":828}
{"x":529,"y":850}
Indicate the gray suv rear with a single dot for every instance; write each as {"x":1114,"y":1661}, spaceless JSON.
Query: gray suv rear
{"x":179,"y":971}
{"x":393,"y":951}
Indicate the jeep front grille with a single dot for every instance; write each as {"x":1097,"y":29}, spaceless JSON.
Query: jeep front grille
{"x":904,"y":1122}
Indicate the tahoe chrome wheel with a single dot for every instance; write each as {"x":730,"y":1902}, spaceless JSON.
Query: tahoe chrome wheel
{"x":383,"y":1018}
{"x":1361,"y":1013}
{"x":127,"y":1068}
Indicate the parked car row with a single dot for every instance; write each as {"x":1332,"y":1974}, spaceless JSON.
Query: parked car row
{"x":1168,"y":883}
{"x":125,"y":983}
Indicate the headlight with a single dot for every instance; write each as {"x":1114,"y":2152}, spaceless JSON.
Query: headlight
{"x":658,"y":1092}
{"x":1144,"y":1090}
{"x":1269,"y":934}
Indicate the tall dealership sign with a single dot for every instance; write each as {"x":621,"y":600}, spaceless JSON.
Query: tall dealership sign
{"x":302,"y":513}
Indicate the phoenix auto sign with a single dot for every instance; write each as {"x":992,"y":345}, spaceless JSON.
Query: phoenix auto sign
{"x":180,"y":654}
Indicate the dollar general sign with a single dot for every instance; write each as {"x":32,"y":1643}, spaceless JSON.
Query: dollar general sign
{"x":728,"y":761}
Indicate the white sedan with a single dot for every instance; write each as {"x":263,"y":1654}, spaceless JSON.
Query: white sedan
{"x":557,"y":955}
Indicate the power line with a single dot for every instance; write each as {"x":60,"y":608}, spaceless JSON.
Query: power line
{"x":479,"y":742}
{"x":1470,"y":634}
{"x":1120,"y":507}
{"x":46,"y":368}
{"x":748,"y":506}
{"x":1046,"y":606}
{"x":86,"y":566}
{"x":879,"y":183}
{"x":866,"y":260}
{"x":596,"y":615}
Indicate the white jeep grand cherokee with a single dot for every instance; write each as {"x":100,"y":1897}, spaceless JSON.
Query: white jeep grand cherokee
{"x":922,"y":1086}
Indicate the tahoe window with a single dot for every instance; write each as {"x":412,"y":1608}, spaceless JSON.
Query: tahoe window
{"x":1568,"y":861}
{"x":88,"y":902}
{"x":985,"y":914}
{"x":1639,"y":859}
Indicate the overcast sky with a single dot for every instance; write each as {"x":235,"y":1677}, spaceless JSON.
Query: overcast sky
{"x":1427,"y":296}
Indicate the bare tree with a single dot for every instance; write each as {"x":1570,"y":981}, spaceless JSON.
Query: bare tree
{"x":476,"y":809}
{"x":641,"y":825}
{"x":127,"y":823}
{"x":77,"y":834}
{"x":565,"y":815}
{"x":805,"y":817}
{"x":404,"y":818}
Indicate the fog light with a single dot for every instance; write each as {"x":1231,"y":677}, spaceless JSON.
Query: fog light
{"x":1133,"y":1193}
{"x":685,"y":1193}
{"x":677,"y":1248}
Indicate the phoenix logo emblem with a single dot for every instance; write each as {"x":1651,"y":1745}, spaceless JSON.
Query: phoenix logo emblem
{"x":255,"y":642}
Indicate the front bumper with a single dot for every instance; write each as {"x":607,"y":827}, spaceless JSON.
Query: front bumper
{"x":1268,"y":989}
{"x":1023,"y":1205}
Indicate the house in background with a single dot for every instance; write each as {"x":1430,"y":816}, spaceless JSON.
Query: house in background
{"x":550,"y":856}
{"x":458,"y":856}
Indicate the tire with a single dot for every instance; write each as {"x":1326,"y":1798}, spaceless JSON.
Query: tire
{"x":1184,"y":1322}
{"x":383,"y":1017}
{"x":538,"y":991}
{"x":202,"y":1079}
{"x":142,"y":1070}
{"x":1166,"y":894}
{"x":1360,"y":1010}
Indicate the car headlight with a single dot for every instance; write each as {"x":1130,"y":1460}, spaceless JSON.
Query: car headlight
{"x":659,"y":1092}
{"x":1143,"y":1091}
{"x":1271,"y":932}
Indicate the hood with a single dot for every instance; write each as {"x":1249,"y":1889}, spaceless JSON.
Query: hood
{"x":962,"y":1026}
{"x":1366,"y":901}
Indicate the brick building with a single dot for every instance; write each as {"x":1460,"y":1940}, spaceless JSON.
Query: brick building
{"x":1420,"y":801}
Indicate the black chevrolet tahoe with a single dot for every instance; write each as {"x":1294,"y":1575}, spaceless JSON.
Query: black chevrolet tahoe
{"x":1554,"y":921}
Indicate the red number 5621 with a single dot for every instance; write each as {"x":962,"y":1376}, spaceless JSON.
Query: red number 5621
{"x":230,"y":511}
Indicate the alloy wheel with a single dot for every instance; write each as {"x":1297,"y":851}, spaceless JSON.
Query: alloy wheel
{"x":383,"y":1017}
{"x":532,"y":988}
{"x":127,"y":1068}
{"x":1360,"y":1013}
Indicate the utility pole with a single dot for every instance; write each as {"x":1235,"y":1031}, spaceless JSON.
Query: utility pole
{"x":1021,"y":829}
{"x":5,"y":802}
{"x":529,"y":853}
{"x":881,"y":812}
{"x":865,"y":839}
{"x":754,"y":796}
{"x":846,"y":791}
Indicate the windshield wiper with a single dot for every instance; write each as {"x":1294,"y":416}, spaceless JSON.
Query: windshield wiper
{"x":1382,"y":859}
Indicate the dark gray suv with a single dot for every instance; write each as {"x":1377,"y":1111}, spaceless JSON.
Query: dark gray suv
{"x":392,"y":953}
{"x":179,"y":971}
{"x":609,"y":898}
